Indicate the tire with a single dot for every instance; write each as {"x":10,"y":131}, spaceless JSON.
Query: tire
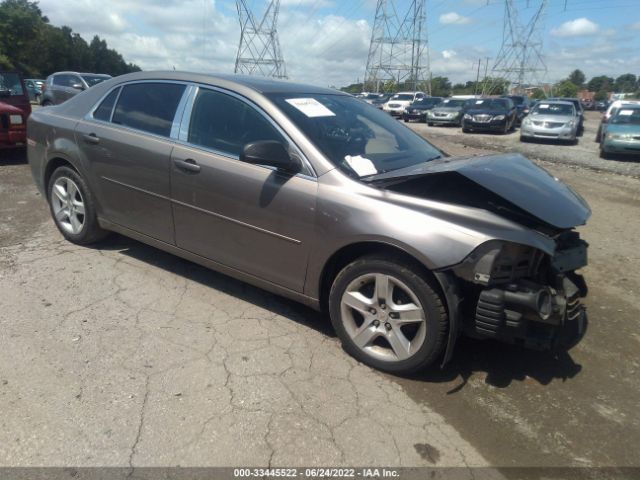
{"x":377,"y":329}
{"x":599,"y":134}
{"x":465,"y":130}
{"x":47,"y":103}
{"x":70,"y":198}
{"x":430,"y":124}
{"x":604,"y":155}
{"x":523,"y":139}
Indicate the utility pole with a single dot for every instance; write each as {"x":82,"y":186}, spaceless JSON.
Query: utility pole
{"x":399,"y":49}
{"x":259,"y":49}
{"x":475,"y":86}
{"x":519,"y":60}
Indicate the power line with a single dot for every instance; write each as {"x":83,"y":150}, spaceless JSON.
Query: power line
{"x":399,"y":48}
{"x":259,"y":49}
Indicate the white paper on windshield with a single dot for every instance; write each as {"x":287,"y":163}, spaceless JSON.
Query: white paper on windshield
{"x":625,"y":112}
{"x":543,"y":106}
{"x":478,"y":102}
{"x":310,"y":107}
{"x":362,"y":166}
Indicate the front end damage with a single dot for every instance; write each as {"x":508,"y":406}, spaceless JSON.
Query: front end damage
{"x":520,"y":295}
{"x":507,"y":288}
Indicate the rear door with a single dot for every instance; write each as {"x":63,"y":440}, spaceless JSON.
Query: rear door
{"x":252,"y":218}
{"x":128,"y":150}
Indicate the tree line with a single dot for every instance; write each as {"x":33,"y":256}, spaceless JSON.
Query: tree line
{"x":31,"y":45}
{"x":602,"y":85}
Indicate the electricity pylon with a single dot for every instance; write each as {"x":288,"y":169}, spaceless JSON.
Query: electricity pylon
{"x":259,"y":49}
{"x":520,"y":60}
{"x":399,"y":49}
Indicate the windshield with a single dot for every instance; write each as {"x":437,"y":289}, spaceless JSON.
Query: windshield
{"x":553,"y":109}
{"x":10,"y":82}
{"x":516,"y":99}
{"x":358,"y":139}
{"x":628,"y":116}
{"x":426,"y":102}
{"x":450,"y":103}
{"x":488,"y":104}
{"x":402,"y":96}
{"x":94,"y":79}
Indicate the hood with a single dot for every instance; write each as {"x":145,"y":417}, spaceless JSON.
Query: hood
{"x":447,"y":109}
{"x":486,"y":111}
{"x":506,"y":184}
{"x":623,"y":128}
{"x":552,"y":118}
{"x":10,"y":108}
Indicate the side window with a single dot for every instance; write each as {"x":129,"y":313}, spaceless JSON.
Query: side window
{"x":103,"y":112}
{"x":148,"y":106}
{"x":225,"y":123}
{"x":61,"y":80}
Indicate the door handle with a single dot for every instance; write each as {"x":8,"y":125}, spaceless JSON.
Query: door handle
{"x":188,"y":165}
{"x":91,"y":138}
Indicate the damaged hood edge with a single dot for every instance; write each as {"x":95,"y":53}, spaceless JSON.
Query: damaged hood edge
{"x":510,"y":176}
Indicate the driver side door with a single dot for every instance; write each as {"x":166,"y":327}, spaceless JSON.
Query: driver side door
{"x":252,"y":218}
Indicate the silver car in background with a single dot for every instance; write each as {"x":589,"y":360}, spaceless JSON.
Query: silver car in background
{"x":551,"y":120}
{"x":316,"y":196}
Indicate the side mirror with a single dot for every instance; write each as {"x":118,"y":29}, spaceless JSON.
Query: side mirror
{"x":78,"y":86}
{"x":270,"y":153}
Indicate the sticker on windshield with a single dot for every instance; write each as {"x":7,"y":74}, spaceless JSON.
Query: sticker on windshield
{"x":625,"y":112}
{"x":310,"y":107}
{"x":543,"y":106}
{"x":362,"y":166}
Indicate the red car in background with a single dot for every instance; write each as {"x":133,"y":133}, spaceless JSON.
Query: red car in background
{"x":14,"y":109}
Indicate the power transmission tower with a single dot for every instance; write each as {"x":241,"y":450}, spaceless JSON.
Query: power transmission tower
{"x":399,"y":49}
{"x":259,"y":49}
{"x":520,"y":61}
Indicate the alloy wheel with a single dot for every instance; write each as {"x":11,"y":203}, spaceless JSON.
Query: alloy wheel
{"x":383,"y":317}
{"x":68,"y":205}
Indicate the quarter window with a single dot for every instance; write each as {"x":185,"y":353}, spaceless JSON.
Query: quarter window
{"x":103,"y":112}
{"x":224,"y":123}
{"x":148,"y":106}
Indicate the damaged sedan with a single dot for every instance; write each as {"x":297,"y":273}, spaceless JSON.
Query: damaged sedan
{"x":318,"y":197}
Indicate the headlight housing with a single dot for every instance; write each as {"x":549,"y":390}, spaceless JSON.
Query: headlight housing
{"x":499,"y":117}
{"x":15,"y":119}
{"x":467,"y":116}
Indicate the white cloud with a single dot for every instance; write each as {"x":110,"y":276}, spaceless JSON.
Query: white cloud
{"x":449,"y":53}
{"x":453,"y":18}
{"x":635,"y":26}
{"x":576,"y":28}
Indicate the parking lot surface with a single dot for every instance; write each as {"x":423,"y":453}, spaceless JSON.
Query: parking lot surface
{"x":123,"y":355}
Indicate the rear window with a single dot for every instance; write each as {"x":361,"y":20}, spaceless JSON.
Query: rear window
{"x":10,"y":84}
{"x":149,"y":107}
{"x":103,"y":112}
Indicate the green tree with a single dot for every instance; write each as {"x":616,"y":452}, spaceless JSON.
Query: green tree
{"x":577,"y":77}
{"x":538,"y":94}
{"x":566,"y":88}
{"x":30,"y":44}
{"x":601,"y":95}
{"x":440,"y":87}
{"x":601,"y":82}
{"x":626,"y":83}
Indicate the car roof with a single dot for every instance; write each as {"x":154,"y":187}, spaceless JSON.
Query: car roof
{"x":259,"y":84}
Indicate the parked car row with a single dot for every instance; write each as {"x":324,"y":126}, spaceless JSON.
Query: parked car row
{"x":15,"y":108}
{"x":17,"y":93}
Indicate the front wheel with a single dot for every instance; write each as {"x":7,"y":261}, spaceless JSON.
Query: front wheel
{"x":73,"y":208}
{"x":388,"y":315}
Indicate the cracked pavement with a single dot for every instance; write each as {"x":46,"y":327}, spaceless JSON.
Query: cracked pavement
{"x":122,"y":355}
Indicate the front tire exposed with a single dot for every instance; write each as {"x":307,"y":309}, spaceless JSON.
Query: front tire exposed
{"x":73,"y":208}
{"x":388,"y":315}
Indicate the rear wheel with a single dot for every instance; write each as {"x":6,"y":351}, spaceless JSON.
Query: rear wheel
{"x":47,"y":103}
{"x":430,"y":124}
{"x":388,"y":315}
{"x":73,"y":208}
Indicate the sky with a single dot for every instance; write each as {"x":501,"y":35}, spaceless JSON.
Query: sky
{"x":326,"y":42}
